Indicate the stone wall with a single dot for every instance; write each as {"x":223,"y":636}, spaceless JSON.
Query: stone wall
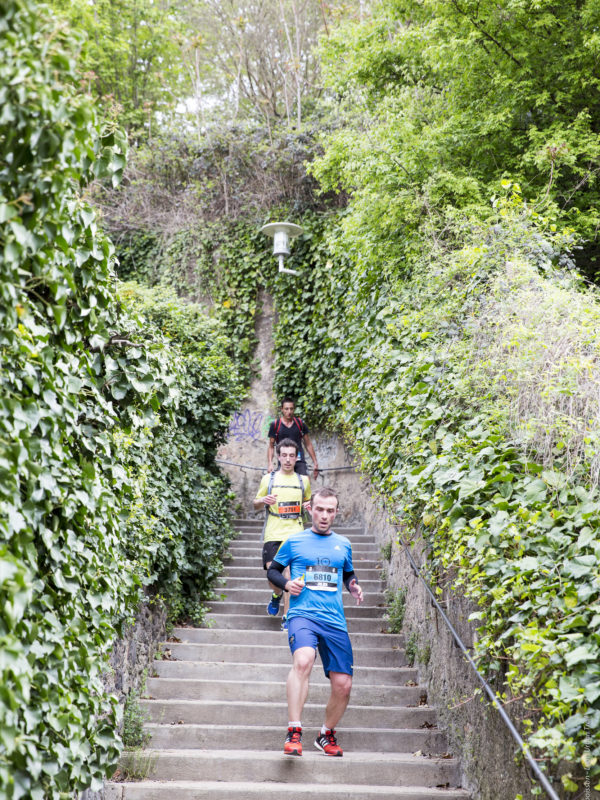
{"x":131,"y":659}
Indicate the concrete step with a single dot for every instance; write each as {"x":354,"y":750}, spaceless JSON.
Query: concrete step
{"x":272,"y":692}
{"x":356,"y":540}
{"x":242,"y":563}
{"x":241,"y":636}
{"x":256,"y":600}
{"x":219,"y":670}
{"x":259,"y":583}
{"x":245,"y":548}
{"x":259,"y":620}
{"x":258,"y":522}
{"x":218,"y":790}
{"x":222,"y":712}
{"x":348,"y":533}
{"x":383,"y":769}
{"x":255,"y":571}
{"x":270,"y":737}
{"x":275,"y":653}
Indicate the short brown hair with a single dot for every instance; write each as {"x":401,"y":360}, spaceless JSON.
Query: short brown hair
{"x":286,"y":443}
{"x":325,"y":491}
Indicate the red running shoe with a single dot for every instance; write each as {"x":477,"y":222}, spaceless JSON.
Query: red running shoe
{"x":326,"y":743}
{"x":293,"y":742}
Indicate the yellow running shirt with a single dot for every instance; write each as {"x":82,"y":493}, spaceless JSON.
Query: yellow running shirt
{"x":286,"y":489}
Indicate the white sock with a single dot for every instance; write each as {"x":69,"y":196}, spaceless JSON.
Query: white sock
{"x":297,"y":724}
{"x":324,"y":729}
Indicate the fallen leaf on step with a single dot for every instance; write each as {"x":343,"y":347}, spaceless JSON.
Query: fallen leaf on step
{"x":408,"y":683}
{"x":418,"y":753}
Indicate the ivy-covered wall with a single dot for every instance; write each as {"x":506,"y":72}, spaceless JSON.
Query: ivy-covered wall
{"x":425,"y":384}
{"x":110,"y":410}
{"x":453,"y":400}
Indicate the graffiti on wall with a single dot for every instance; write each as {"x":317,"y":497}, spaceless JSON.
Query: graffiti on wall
{"x":247,"y":424}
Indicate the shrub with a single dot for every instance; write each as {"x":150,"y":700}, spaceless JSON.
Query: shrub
{"x":88,"y":395}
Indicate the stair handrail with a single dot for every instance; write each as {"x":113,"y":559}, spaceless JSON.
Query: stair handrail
{"x":260,"y":469}
{"x":543,"y":780}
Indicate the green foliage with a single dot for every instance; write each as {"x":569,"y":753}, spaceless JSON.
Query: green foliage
{"x":220,"y":264}
{"x":386,"y":551}
{"x":309,"y":336}
{"x":91,"y":402}
{"x":171,"y":463}
{"x":130,"y":56}
{"x":60,"y":492}
{"x":134,"y":718}
{"x":521,"y":538}
{"x":396,"y":609}
{"x":411,"y":649}
{"x":443,"y":100}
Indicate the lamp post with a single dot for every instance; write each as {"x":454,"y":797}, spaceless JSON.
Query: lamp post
{"x":282,"y":232}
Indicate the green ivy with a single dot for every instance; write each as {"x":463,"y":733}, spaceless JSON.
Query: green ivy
{"x":181,"y":501}
{"x":521,"y":538}
{"x":310,"y":330}
{"x":108,"y":424}
{"x":221,"y":265}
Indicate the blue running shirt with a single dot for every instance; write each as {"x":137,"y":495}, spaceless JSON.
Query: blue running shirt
{"x":322,"y":559}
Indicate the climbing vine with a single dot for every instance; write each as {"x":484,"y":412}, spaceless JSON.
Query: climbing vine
{"x":432,"y":430}
{"x":102,"y":412}
{"x":222,"y":265}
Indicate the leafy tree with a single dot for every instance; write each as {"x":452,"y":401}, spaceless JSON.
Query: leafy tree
{"x":130,"y":56}
{"x":457,"y":96}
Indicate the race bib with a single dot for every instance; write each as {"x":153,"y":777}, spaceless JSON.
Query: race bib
{"x":322,"y":579}
{"x":289,"y":510}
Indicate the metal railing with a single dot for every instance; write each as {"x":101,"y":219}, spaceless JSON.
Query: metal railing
{"x":493,"y":697}
{"x":264,"y":471}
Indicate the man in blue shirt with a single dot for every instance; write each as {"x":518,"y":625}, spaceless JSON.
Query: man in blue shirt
{"x":320,"y":562}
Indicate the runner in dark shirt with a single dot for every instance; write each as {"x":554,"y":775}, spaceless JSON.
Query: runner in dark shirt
{"x":290,"y":427}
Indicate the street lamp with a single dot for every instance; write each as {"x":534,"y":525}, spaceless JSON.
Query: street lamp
{"x":282,"y":232}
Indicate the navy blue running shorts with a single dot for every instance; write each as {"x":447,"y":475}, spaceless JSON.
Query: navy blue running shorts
{"x":333,"y":644}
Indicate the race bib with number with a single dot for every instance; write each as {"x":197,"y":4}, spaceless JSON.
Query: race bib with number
{"x":289,"y":510}
{"x":322,"y":579}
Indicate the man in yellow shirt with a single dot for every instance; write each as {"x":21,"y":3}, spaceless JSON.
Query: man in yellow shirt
{"x":283,"y":494}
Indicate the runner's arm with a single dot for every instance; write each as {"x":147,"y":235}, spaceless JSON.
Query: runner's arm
{"x":263,"y":499}
{"x":260,"y":502}
{"x":311,"y":451}
{"x":353,"y":587}
{"x":294,"y":587}
{"x":270,"y":451}
{"x":347,"y":578}
{"x":275,"y":575}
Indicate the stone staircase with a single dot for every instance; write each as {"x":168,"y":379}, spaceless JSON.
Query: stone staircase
{"x":218,"y":713}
